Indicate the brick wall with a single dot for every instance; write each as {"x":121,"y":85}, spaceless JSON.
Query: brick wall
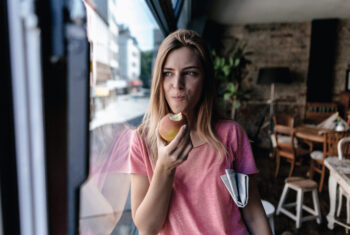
{"x":282,"y":45}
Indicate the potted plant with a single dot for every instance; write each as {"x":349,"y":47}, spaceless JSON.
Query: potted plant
{"x":230,"y":71}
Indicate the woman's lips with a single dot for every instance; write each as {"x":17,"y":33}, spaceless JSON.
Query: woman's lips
{"x":178,"y":98}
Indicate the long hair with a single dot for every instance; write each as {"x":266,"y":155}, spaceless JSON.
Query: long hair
{"x":207,"y":111}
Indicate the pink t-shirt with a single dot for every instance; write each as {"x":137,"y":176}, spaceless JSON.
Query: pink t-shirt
{"x":200,"y":203}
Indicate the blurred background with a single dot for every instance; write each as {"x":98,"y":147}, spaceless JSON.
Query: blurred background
{"x":77,"y":78}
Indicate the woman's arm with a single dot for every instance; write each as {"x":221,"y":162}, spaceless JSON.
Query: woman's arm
{"x":150,"y":201}
{"x":254,"y":213}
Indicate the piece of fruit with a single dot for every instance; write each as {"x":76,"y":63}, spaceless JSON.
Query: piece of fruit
{"x":170,"y":125}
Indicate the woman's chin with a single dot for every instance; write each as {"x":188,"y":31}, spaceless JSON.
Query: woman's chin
{"x":178,"y":110}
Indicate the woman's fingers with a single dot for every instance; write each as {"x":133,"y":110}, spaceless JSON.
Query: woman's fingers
{"x":186,"y":151}
{"x":176,"y":141}
{"x":183,"y":145}
{"x":183,"y":155}
{"x":179,"y":148}
{"x":183,"y":142}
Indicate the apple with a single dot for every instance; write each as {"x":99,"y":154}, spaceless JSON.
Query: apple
{"x":170,"y":125}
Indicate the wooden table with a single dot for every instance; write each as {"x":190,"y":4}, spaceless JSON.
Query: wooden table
{"x":310,"y":133}
{"x":339,"y":175}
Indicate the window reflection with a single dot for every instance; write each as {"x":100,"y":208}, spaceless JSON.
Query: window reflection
{"x":123,"y":38}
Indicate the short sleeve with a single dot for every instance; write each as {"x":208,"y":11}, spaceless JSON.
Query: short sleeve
{"x":137,"y":158}
{"x":244,"y":159}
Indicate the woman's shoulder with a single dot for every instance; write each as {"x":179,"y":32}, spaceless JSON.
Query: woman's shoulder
{"x":229,"y":130}
{"x":138,"y":137}
{"x":227,"y":125}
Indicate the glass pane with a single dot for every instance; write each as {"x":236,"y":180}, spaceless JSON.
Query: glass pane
{"x":124,"y":39}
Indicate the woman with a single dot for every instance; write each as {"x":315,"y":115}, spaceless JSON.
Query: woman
{"x":176,"y":187}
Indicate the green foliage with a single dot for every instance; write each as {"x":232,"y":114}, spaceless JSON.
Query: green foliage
{"x":230,"y":71}
{"x":146,"y":68}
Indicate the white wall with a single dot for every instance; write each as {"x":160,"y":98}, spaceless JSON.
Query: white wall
{"x":113,"y":44}
{"x":134,"y":60}
{"x":98,"y":35}
{"x":129,"y":58}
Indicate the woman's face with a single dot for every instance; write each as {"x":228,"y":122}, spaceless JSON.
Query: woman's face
{"x":182,"y":80}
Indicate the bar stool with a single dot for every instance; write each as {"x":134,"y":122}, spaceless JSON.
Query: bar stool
{"x":270,"y":211}
{"x":301,"y":186}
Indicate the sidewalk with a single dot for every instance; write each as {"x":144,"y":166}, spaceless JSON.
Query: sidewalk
{"x":123,"y":109}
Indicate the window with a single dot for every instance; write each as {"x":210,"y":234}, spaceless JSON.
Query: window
{"x":119,"y":98}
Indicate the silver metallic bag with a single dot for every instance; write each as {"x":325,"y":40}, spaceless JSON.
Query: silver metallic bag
{"x":237,"y":184}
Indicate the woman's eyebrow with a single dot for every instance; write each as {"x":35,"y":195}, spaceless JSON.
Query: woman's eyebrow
{"x":187,"y":67}
{"x":191,"y":67}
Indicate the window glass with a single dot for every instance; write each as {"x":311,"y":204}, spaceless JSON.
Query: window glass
{"x":124,"y":39}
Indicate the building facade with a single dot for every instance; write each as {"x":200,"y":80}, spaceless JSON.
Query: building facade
{"x":99,"y":37}
{"x":129,"y":55}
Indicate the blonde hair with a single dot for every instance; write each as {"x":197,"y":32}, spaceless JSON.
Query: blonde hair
{"x":207,"y":110}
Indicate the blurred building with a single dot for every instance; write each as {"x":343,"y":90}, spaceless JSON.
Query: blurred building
{"x":129,"y":55}
{"x":103,"y":37}
{"x":113,"y":43}
{"x":98,"y":36}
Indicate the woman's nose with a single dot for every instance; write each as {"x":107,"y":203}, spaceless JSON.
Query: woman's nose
{"x":178,"y":82}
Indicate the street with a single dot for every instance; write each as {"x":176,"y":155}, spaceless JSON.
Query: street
{"x":124,"y":108}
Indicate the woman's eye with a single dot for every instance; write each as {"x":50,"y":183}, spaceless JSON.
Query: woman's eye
{"x":191,"y":73}
{"x":166,"y":74}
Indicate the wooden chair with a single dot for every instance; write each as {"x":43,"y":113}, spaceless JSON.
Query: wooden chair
{"x":286,"y":144}
{"x":317,"y":158}
{"x":282,"y":120}
{"x":317,"y":112}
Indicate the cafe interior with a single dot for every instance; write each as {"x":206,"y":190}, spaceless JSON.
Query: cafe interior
{"x":289,"y":79}
{"x":294,"y":105}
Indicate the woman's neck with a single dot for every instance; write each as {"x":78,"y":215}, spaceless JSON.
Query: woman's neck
{"x":195,"y":138}
{"x":191,"y":121}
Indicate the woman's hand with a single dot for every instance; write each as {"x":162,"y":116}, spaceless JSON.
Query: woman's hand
{"x":173,"y":154}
